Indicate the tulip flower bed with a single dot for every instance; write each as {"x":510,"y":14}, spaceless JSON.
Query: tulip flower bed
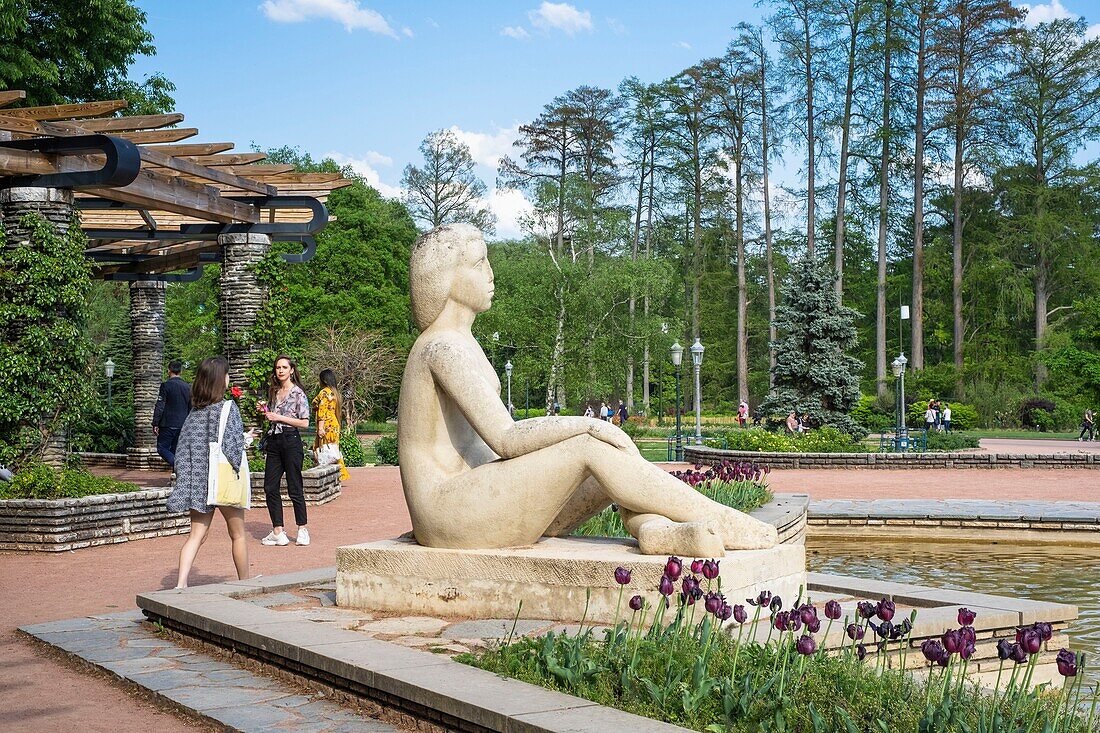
{"x":738,"y":484}
{"x":686,"y":656}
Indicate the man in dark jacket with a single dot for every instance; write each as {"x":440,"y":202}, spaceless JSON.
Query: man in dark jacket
{"x":173,"y":405}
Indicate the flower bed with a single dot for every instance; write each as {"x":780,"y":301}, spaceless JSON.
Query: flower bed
{"x":682,"y":655}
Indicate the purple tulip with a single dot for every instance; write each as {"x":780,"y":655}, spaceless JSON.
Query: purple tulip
{"x":952,"y":641}
{"x":885,"y":609}
{"x":855,"y":632}
{"x":776,"y":604}
{"x":966,"y":617}
{"x":740,"y":615}
{"x":1004,"y":649}
{"x":697,"y":566}
{"x":813,"y":625}
{"x":866,"y":609}
{"x":622,"y":576}
{"x":710,"y":569}
{"x":690,"y":584}
{"x":1018,"y":654}
{"x":966,"y":633}
{"x":713,"y":603}
{"x":967,"y":650}
{"x":832,"y":610}
{"x":636,"y":603}
{"x":763,"y":599}
{"x":725,"y":612}
{"x":901,"y":630}
{"x":932,"y":649}
{"x":885,"y":630}
{"x":782,"y":619}
{"x":1031,"y":642}
{"x":806,"y":645}
{"x":807,"y":613}
{"x":673,"y":568}
{"x":665,"y":588}
{"x":687,"y":599}
{"x":1045,"y":630}
{"x":861,"y":652}
{"x":1067,"y":663}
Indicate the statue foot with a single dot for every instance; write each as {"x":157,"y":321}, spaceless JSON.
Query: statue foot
{"x":661,"y":536}
{"x":739,"y":531}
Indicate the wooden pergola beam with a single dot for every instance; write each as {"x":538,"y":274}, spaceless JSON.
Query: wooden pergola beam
{"x":228,"y":159}
{"x":13,"y":95}
{"x":164,"y":193}
{"x":68,"y":111}
{"x":172,"y":135}
{"x":136,"y":122}
{"x":193,"y":148}
{"x":183,"y":165}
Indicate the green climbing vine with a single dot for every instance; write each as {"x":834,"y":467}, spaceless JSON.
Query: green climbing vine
{"x":272,"y":331}
{"x":45,"y":354}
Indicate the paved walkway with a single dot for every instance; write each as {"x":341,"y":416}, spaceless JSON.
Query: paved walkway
{"x":1021,"y":445}
{"x":41,"y":587}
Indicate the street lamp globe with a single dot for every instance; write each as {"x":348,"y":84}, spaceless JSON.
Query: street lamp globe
{"x":508,"y":367}
{"x":903,"y":361}
{"x":676,"y":353}
{"x":109,"y":368}
{"x":896,"y":366}
{"x":697,"y":353}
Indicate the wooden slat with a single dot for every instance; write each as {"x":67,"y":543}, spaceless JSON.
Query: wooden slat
{"x":193,"y":148}
{"x":136,"y":122}
{"x":159,"y":136}
{"x":304,"y":178}
{"x":214,"y":174}
{"x":20,"y":125}
{"x":68,"y":111}
{"x":263,"y":170}
{"x":234,"y":159}
{"x":13,"y":95}
{"x":161,"y":193}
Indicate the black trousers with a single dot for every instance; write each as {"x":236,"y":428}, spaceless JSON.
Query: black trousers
{"x":284,"y":455}
{"x":167,"y":440}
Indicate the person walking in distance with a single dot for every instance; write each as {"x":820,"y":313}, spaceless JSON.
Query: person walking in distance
{"x":170,"y":412}
{"x":604,"y":411}
{"x":1088,"y":426}
{"x":623,"y":414}
{"x":193,"y":466}
{"x":287,"y":413}
{"x":946,"y":417}
{"x":329,"y":406}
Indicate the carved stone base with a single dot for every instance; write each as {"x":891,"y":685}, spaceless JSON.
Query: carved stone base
{"x":144,"y":459}
{"x":551,"y":578}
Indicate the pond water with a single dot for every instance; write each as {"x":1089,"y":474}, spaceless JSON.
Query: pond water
{"x":1041,"y":573}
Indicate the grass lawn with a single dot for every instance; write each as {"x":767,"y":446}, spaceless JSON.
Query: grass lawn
{"x":1022,"y":434}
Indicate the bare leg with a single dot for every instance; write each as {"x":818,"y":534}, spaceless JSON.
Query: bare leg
{"x":234,"y":522}
{"x":589,"y":499}
{"x":200,"y":526}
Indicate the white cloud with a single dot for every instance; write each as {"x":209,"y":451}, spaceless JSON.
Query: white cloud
{"x":562,"y":16}
{"x":616,"y":26}
{"x":365,"y":167}
{"x":407,"y":31}
{"x":1037,"y":14}
{"x":432,"y":23}
{"x":488,"y":148}
{"x":346,"y":12}
{"x":515,"y":31}
{"x":1093,"y":31}
{"x":684,"y":44}
{"x":375,"y":158}
{"x":509,"y":205}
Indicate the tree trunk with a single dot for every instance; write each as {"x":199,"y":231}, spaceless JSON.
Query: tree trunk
{"x":810,"y":157}
{"x":883,"y":219}
{"x":767,"y":217}
{"x":632,"y":301}
{"x":696,"y":245}
{"x":842,"y":184}
{"x":742,"y":296}
{"x":645,"y":299}
{"x":957,"y":254}
{"x":557,"y":367}
{"x":917,"y":315}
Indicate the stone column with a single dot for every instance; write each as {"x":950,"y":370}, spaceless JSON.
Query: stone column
{"x":56,"y":206}
{"x":240,"y":299}
{"x":147,"y":322}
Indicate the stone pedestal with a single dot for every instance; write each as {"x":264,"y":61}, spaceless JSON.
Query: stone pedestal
{"x":551,"y":578}
{"x":147,"y":321}
{"x":240,"y":299}
{"x":55,"y":205}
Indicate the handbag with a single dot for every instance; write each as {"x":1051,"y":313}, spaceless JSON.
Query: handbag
{"x":225,"y":486}
{"x":328,"y":453}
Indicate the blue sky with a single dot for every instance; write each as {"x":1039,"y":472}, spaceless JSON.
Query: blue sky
{"x":366,"y":80}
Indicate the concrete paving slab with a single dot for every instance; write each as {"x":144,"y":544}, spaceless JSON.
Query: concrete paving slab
{"x":585,"y":719}
{"x":271,"y":600}
{"x":493,"y":628}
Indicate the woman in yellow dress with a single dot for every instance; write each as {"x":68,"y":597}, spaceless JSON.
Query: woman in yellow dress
{"x":327,"y":405}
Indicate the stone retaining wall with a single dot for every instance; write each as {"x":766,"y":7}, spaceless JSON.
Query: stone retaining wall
{"x":321,"y":485}
{"x":704,"y":455}
{"x":69,"y":524}
{"x":102,"y":460}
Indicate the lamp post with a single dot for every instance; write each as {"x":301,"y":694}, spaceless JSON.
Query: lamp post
{"x":901,"y":440}
{"x":526,"y":397}
{"x":676,"y":353}
{"x":109,"y":370}
{"x":508,"y":370}
{"x":697,"y":361}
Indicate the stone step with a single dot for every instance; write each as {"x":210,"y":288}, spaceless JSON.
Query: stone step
{"x":208,"y":686}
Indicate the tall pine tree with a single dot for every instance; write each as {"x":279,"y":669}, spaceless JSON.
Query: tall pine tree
{"x":814,"y":375}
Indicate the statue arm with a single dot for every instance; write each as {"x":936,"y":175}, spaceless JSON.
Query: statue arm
{"x":458,"y":372}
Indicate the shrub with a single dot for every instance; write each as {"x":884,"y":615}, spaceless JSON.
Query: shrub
{"x":386,"y":450}
{"x":354,"y":455}
{"x":754,"y":439}
{"x":39,"y":481}
{"x":871,"y":415}
{"x":99,"y":430}
{"x":827,"y":440}
{"x":1037,"y":413}
{"x":963,"y":416}
{"x":946,"y":442}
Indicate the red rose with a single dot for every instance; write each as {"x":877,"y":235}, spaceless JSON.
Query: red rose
{"x":236,"y":392}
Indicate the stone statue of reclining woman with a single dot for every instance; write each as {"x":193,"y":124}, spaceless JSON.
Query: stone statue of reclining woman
{"x":475,"y":479}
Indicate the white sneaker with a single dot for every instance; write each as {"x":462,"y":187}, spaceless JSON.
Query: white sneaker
{"x":303,"y":537}
{"x":275,"y":539}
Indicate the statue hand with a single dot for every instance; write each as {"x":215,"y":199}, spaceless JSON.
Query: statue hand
{"x":611,"y":435}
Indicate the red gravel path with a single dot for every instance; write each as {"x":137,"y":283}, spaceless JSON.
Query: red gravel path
{"x":40,"y":694}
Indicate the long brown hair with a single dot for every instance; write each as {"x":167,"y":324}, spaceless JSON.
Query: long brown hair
{"x":209,"y":384}
{"x":273,"y":381}
{"x":327,"y":378}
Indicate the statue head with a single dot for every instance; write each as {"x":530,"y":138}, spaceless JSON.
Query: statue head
{"x":449,"y":263}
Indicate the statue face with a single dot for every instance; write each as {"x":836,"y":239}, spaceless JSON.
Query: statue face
{"x":473,"y":282}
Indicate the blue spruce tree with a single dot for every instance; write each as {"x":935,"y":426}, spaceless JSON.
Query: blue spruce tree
{"x":814,"y":374}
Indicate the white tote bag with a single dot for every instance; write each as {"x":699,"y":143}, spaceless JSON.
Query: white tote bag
{"x":226,"y":487}
{"x":328,"y":453}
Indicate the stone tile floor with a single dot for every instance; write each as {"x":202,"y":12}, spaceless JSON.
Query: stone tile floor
{"x":236,"y":698}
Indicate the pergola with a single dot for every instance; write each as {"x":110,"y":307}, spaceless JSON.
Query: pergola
{"x":156,"y":210}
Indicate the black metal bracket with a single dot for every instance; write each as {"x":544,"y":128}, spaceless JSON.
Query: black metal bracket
{"x":121,"y":167}
{"x":280,"y":231}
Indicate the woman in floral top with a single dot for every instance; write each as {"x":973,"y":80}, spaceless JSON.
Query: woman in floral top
{"x":327,"y":404}
{"x":287,"y":412}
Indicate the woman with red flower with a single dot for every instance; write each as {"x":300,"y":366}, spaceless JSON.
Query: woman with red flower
{"x":287,"y":412}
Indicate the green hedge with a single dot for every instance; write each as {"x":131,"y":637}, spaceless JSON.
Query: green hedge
{"x":386,"y":450}
{"x":354,"y":455}
{"x":39,"y":481}
{"x":821,"y":440}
